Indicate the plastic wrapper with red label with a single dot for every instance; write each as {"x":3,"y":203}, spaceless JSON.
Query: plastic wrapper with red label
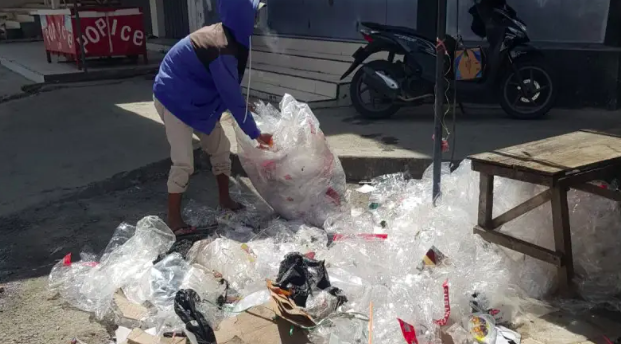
{"x":299,"y":176}
{"x":67,"y":277}
{"x":92,"y":288}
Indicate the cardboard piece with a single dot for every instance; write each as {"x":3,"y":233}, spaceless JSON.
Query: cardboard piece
{"x":138,"y":336}
{"x":128,"y":309}
{"x":285,"y":308}
{"x":259,"y":325}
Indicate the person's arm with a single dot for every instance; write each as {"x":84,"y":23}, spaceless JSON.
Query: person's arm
{"x":226,"y":78}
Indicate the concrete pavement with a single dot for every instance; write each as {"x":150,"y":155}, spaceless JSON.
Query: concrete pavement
{"x":53,"y":144}
{"x":11,"y":84}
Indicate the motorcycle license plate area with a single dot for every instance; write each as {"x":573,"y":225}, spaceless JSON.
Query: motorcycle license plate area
{"x":468,"y":64}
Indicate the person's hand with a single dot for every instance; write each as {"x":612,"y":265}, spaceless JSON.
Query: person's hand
{"x":252,"y":107}
{"x":265,"y":140}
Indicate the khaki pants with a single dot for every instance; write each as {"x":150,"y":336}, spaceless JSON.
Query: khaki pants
{"x":179,"y":136}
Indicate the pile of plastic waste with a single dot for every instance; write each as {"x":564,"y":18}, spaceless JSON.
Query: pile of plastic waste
{"x":397,"y":270}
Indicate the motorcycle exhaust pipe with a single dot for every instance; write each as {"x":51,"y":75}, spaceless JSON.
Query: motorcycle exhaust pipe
{"x":381,"y":83}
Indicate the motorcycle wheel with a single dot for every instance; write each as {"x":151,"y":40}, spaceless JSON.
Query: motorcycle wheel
{"x":379,"y":107}
{"x":543,"y":91}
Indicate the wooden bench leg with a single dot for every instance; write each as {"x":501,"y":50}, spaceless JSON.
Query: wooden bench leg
{"x":486,"y":201}
{"x":562,"y":237}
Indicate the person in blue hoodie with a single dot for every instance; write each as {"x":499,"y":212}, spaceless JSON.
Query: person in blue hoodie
{"x":198,"y":80}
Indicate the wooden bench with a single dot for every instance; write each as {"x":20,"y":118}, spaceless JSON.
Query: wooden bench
{"x":568,"y":161}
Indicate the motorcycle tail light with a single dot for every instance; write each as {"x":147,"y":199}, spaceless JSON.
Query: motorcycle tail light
{"x":367,"y":37}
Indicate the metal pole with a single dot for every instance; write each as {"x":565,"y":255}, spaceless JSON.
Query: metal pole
{"x":439,"y":104}
{"x":80,"y":37}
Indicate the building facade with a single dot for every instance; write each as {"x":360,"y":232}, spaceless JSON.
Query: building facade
{"x":581,"y":38}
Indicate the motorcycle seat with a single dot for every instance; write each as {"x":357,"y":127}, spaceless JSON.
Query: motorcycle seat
{"x":396,"y":29}
{"x":449,"y":42}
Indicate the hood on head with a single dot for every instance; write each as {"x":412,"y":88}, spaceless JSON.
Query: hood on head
{"x":238,"y":16}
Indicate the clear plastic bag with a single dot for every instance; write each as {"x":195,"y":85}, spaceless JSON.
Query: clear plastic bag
{"x":209,"y":289}
{"x":122,"y":265}
{"x":232,"y":259}
{"x":299,"y":176}
{"x":167,"y":277}
{"x":67,"y":277}
{"x":120,"y":236}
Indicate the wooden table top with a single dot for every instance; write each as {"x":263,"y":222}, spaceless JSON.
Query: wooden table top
{"x":578,"y":151}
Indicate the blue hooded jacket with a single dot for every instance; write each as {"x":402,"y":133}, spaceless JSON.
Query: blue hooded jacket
{"x":200,"y":76}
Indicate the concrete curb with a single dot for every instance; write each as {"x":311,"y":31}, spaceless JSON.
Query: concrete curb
{"x":97,"y":75}
{"x":356,"y":169}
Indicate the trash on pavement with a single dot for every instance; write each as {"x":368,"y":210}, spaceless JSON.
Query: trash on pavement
{"x":138,"y":336}
{"x":301,"y":277}
{"x":409,"y":271}
{"x":365,"y":189}
{"x":121,"y":334}
{"x":482,"y":328}
{"x":507,"y":336}
{"x":285,"y":307}
{"x":128,"y":310}
{"x":197,"y":328}
{"x":259,"y":325}
{"x":432,"y":258}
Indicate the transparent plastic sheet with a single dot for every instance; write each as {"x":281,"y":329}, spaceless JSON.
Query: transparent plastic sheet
{"x":124,"y":264}
{"x":120,"y":236}
{"x":298,"y":176}
{"x":166,"y":279}
{"x":67,"y":277}
{"x":138,"y":288}
{"x":209,"y":289}
{"x":595,"y":223}
{"x":230,"y":258}
{"x":254,"y":299}
{"x":242,"y":225}
{"x":384,"y":272}
{"x":255,"y":214}
{"x":321,"y":304}
{"x":199,"y":215}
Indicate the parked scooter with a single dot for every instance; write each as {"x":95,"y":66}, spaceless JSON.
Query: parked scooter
{"x":511,"y":69}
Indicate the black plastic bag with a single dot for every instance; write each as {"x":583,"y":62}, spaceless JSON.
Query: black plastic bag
{"x":300,"y":275}
{"x":195,"y":322}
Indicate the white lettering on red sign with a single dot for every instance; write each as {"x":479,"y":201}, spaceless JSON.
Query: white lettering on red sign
{"x":94,"y":34}
{"x":125,"y":36}
{"x":113,"y":31}
{"x":138,"y":38}
{"x":101,"y":25}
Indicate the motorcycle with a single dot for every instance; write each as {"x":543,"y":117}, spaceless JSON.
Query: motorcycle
{"x":511,"y":68}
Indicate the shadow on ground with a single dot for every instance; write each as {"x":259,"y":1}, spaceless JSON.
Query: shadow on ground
{"x":478,"y":130}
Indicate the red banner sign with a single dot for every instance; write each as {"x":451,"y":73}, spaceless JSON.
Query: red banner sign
{"x":104,"y":33}
{"x":58,"y":33}
{"x":113,"y":35}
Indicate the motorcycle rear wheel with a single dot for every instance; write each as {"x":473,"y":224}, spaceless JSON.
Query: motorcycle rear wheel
{"x":537,"y":75}
{"x":380,"y":107}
